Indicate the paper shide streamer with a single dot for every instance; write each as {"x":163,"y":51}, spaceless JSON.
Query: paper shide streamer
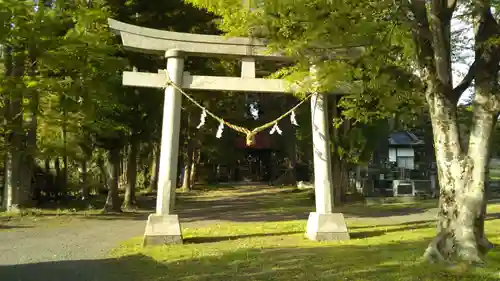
{"x":202,"y":119}
{"x":275,"y":129}
{"x":220,"y":130}
{"x":292,"y":119}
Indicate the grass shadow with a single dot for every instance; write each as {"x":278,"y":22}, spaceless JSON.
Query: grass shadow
{"x":9,"y":227}
{"x":134,"y":216}
{"x":214,"y":239}
{"x":394,"y":228}
{"x":264,"y":204}
{"x":127,"y":268}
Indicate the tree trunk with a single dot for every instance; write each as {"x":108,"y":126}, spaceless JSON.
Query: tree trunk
{"x":290,"y":145}
{"x":188,"y":156}
{"x":186,"y":177}
{"x":461,"y":178}
{"x":57,"y":167}
{"x":155,"y":167}
{"x":64,"y":172}
{"x":462,"y":172}
{"x":129,"y":200}
{"x":188,"y":161}
{"x":31,"y":125}
{"x":340,"y":179}
{"x":145,"y":156}
{"x":49,"y":179}
{"x":86,"y":148}
{"x":339,"y":165}
{"x":123,"y":182}
{"x":16,"y":188}
{"x":8,"y":189}
{"x":485,"y":114}
{"x":15,"y":194}
{"x":113,"y":174}
{"x":103,"y":171}
{"x":194,"y":166}
{"x":12,"y":187}
{"x":85,"y":192}
{"x":64,"y":175}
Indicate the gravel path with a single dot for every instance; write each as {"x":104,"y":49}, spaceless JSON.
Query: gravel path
{"x":73,"y":252}
{"x":84,"y":239}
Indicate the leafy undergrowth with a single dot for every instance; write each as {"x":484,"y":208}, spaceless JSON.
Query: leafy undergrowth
{"x":278,"y":251}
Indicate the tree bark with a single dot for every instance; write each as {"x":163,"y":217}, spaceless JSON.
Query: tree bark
{"x":155,"y":167}
{"x":16,"y":188}
{"x":144,"y":162}
{"x":113,"y":174}
{"x":31,"y":125}
{"x":123,"y":182}
{"x":57,"y":167}
{"x":194,"y":166}
{"x":188,"y":156}
{"x":291,"y":146}
{"x":453,"y":172}
{"x":86,"y":159}
{"x":64,"y":175}
{"x":461,"y":168}
{"x":462,"y":182}
{"x":339,"y":165}
{"x":486,"y":107}
{"x":85,"y":192}
{"x":49,"y":180}
{"x":129,"y":200}
{"x":103,"y":171}
{"x":188,"y":161}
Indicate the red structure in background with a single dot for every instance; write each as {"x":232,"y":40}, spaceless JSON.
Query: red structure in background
{"x":254,"y":163}
{"x":262,"y":141}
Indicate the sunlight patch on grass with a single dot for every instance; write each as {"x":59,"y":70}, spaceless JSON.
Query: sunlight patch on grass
{"x":493,"y":208}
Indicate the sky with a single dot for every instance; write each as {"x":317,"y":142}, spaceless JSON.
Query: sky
{"x":460,"y":68}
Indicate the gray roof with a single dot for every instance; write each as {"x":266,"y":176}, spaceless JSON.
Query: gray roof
{"x":404,"y":138}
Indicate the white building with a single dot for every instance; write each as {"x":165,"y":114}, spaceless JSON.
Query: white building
{"x":401,"y":149}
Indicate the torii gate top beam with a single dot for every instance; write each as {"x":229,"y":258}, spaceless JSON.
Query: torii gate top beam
{"x":148,"y":40}
{"x":154,"y":41}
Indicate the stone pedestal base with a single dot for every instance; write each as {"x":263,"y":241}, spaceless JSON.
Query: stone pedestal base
{"x":162,"y":229}
{"x":326,"y":227}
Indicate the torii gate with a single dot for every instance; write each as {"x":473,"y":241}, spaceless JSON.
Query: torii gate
{"x":163,"y":227}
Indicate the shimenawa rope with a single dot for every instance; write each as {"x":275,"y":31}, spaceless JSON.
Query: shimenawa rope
{"x":250,"y":134}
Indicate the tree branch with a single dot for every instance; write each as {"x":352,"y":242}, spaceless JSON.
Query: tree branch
{"x":422,"y":36}
{"x":441,"y":12}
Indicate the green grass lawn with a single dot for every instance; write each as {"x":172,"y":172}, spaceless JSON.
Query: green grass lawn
{"x":278,"y":251}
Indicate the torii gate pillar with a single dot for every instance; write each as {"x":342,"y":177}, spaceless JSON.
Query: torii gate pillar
{"x":324,"y":224}
{"x":163,"y":227}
